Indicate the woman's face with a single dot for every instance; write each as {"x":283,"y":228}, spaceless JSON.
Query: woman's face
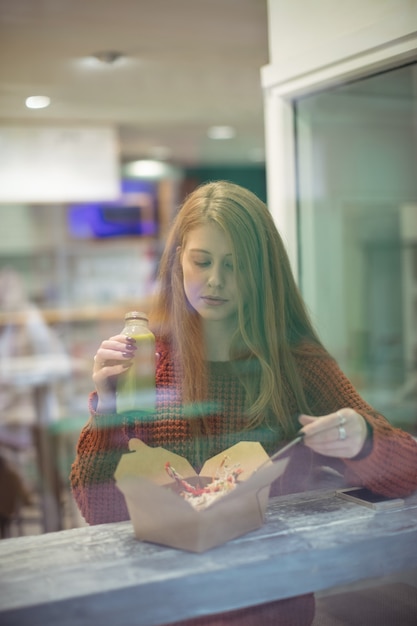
{"x":209,"y":275}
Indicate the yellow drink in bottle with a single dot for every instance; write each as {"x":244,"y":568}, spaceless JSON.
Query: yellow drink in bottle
{"x":136,"y":387}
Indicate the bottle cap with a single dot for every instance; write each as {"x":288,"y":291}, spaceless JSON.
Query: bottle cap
{"x":136,"y":315}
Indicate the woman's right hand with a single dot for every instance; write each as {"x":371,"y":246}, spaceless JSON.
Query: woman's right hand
{"x":113,"y":357}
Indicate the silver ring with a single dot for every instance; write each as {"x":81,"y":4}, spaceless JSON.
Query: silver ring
{"x":342,"y":418}
{"x":342,"y":433}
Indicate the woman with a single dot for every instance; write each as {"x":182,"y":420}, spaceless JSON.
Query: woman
{"x":237,"y":359}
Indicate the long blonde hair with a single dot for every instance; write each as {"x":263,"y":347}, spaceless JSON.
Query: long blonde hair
{"x":272,"y":322}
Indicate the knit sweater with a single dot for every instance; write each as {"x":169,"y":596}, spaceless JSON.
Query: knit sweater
{"x":387,"y":466}
{"x":388,"y":463}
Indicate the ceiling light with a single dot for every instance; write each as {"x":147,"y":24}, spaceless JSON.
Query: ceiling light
{"x":146,"y":169}
{"x":221,"y":132}
{"x":37,"y":102}
{"x":108,"y":57}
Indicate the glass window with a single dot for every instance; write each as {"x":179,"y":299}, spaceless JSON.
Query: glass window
{"x":357,"y":202}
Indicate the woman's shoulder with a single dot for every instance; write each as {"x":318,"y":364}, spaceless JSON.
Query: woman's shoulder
{"x":313,"y":360}
{"x":310,"y":349}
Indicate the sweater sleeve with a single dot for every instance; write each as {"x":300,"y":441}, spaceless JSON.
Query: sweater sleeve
{"x":101,"y":443}
{"x":390,"y":466}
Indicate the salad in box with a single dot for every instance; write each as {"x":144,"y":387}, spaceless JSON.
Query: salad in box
{"x":170,"y":504}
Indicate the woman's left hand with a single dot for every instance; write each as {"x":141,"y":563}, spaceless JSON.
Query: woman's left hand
{"x":341,"y":434}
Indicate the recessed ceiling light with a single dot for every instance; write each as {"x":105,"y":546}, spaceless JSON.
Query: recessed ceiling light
{"x":37,"y":102}
{"x":221,"y":132}
{"x":108,"y":57}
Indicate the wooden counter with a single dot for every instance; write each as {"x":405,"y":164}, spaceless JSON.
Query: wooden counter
{"x":103,"y":576}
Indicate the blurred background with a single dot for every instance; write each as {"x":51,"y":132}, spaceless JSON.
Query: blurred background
{"x":112,"y":111}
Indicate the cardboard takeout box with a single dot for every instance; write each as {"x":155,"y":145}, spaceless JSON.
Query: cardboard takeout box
{"x":160,"y":515}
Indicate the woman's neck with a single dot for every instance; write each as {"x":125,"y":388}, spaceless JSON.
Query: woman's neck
{"x":218,"y":338}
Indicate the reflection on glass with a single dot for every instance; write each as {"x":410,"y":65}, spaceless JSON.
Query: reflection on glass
{"x":357,"y":181}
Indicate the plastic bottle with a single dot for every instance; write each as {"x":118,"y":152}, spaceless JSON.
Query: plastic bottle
{"x":136,"y":387}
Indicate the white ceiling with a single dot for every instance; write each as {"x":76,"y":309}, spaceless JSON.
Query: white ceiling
{"x":189,"y":64}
